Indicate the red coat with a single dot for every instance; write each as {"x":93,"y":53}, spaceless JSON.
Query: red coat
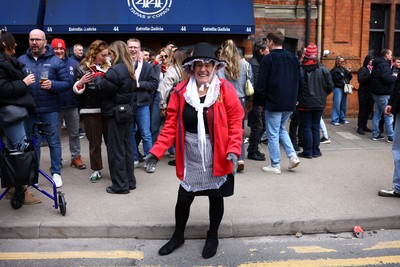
{"x":224,"y":123}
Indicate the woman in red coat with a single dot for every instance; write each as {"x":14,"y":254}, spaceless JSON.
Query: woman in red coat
{"x":204,"y":119}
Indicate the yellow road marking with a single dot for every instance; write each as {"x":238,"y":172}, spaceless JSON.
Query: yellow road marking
{"x":116,"y":254}
{"x":311,"y":249}
{"x":385,"y":245}
{"x":379,"y":261}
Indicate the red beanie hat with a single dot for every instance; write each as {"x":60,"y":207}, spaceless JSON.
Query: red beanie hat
{"x":311,"y":51}
{"x":58,"y":43}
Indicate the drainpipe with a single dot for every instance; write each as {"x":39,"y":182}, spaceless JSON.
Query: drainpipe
{"x":319,"y":28}
{"x":308,"y":22}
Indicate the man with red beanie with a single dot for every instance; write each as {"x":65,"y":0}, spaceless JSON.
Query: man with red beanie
{"x":68,"y":103}
{"x":312,"y":100}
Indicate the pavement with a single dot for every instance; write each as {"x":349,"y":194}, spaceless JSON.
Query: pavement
{"x":332,"y":193}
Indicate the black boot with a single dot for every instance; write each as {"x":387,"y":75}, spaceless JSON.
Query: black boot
{"x":175,"y":242}
{"x":211,"y":245}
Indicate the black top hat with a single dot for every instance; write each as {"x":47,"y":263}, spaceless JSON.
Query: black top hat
{"x":201,"y":51}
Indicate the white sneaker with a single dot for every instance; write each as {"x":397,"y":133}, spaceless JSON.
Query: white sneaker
{"x":57,"y":180}
{"x":271,"y":169}
{"x":293,"y":162}
{"x":136,"y":164}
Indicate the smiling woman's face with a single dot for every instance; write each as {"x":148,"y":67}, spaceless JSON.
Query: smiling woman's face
{"x":203,"y":72}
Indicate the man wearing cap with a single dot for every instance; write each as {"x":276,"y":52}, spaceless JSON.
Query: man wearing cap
{"x":277,"y":87}
{"x":68,"y":103}
{"x":40,"y":59}
{"x":312,"y":100}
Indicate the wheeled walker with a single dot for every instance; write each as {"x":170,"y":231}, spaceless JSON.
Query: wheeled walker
{"x":19,"y":168}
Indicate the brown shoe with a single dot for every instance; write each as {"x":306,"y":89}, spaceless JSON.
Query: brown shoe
{"x":30,"y":199}
{"x":10,"y":192}
{"x":77,"y":163}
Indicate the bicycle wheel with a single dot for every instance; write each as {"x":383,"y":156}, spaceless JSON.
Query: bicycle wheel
{"x":62,"y":204}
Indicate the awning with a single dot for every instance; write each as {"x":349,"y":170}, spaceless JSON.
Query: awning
{"x":21,"y":16}
{"x":150,"y":16}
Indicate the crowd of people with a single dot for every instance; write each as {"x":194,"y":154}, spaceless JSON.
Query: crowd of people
{"x":192,"y":104}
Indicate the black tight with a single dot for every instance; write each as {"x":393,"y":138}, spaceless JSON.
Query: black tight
{"x":182,"y":211}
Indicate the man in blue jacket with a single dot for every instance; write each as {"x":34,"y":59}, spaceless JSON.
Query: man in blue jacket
{"x":41,"y":61}
{"x":279,"y":81}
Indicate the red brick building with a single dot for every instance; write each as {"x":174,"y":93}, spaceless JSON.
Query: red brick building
{"x":350,"y":28}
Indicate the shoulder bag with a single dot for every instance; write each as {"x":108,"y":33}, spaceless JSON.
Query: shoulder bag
{"x":10,"y":114}
{"x":249,"y":90}
{"x":123,"y":113}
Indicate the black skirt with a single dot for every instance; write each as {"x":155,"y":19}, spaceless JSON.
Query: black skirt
{"x":226,"y":190}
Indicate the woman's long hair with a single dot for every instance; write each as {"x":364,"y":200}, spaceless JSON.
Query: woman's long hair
{"x":7,"y":41}
{"x":121,"y":52}
{"x":232,"y":57}
{"x":94,"y":49}
{"x":177,"y":58}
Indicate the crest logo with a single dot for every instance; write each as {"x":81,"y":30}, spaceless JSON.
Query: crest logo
{"x":149,"y":9}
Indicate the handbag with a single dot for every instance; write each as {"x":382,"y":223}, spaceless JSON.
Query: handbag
{"x":10,"y":114}
{"x":18,"y":167}
{"x":249,"y":90}
{"x":123,"y":113}
{"x":348,"y":88}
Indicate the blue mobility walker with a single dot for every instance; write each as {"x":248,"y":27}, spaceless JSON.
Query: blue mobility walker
{"x":20,"y":167}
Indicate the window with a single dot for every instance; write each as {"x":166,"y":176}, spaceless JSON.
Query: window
{"x":378,"y":27}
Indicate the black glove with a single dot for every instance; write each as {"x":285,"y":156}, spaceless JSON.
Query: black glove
{"x":232,"y":157}
{"x":150,"y":163}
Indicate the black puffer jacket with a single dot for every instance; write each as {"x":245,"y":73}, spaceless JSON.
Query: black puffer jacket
{"x":117,"y":87}
{"x":89,"y":100}
{"x":317,"y":86}
{"x":381,"y":77}
{"x":340,"y":76}
{"x":13,"y":91}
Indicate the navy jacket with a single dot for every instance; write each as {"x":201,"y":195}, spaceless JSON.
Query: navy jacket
{"x":47,"y":100}
{"x":381,"y":77}
{"x":68,"y":99}
{"x":279,"y":81}
{"x":148,"y":84}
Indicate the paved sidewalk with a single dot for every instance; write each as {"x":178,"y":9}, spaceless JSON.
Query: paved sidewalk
{"x":332,"y":193}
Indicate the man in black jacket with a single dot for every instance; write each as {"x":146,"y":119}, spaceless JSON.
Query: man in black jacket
{"x":381,"y":87}
{"x":255,"y":122}
{"x":365,"y":100}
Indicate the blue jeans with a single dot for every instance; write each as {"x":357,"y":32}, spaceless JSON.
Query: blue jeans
{"x":53,"y":139}
{"x":380,"y":102}
{"x":396,"y":154}
{"x":155,"y":117}
{"x":15,"y":135}
{"x":339,"y":106}
{"x":142,"y":123}
{"x":275,"y":124}
{"x":310,"y":131}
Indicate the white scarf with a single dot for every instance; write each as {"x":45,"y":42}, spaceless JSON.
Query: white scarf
{"x":192,"y":98}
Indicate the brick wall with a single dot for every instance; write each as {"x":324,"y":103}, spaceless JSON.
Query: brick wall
{"x":345,"y":32}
